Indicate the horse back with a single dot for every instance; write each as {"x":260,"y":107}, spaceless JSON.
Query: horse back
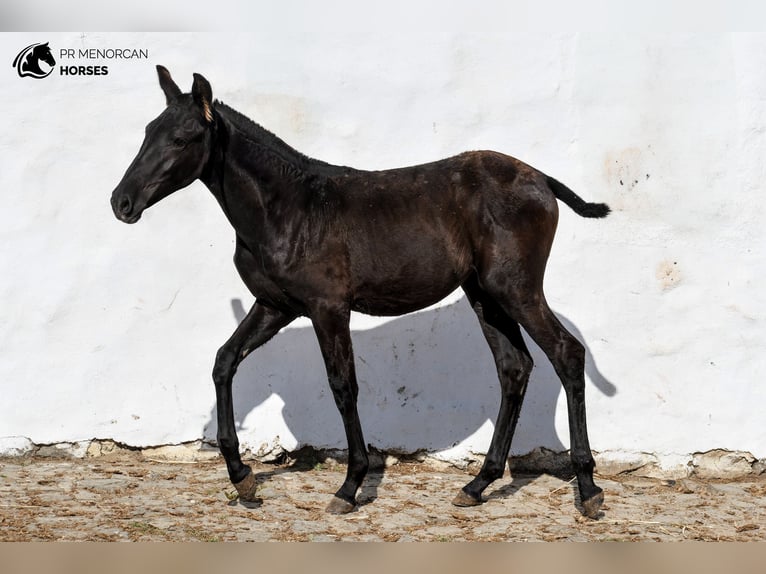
{"x":415,"y":234}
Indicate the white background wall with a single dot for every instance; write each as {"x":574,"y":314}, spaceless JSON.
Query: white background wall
{"x":109,"y":330}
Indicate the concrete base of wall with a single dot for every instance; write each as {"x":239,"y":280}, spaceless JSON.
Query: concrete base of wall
{"x":717,"y":463}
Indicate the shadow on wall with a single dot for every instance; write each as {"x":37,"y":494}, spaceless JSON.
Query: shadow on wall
{"x":426,"y":381}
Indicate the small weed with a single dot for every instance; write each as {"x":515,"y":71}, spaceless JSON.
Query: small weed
{"x":144,"y":528}
{"x":201,"y":535}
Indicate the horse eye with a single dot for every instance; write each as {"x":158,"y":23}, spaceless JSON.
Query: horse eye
{"x":180,"y":142}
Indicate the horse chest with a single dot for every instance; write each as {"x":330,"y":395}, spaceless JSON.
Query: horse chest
{"x":280,"y":279}
{"x":257,"y":272}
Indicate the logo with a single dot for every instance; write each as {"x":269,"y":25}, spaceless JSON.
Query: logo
{"x":37,"y":61}
{"x":27,"y":62}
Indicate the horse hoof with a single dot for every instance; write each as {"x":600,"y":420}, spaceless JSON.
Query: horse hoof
{"x":464,"y":499}
{"x":247,"y":488}
{"x":339,"y":506}
{"x":592,"y":505}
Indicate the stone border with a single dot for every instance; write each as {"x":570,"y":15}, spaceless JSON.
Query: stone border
{"x":716,"y":463}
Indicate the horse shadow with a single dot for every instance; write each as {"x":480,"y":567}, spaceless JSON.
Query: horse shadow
{"x":427,"y":382}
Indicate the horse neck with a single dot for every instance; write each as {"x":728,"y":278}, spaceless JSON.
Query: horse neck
{"x":254,"y":175}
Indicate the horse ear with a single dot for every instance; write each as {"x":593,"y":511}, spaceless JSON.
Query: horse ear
{"x":203,"y":96}
{"x":172,"y":91}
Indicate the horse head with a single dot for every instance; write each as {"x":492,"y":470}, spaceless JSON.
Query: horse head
{"x":175,"y":150}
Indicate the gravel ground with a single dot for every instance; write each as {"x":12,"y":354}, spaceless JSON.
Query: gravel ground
{"x":128,"y":497}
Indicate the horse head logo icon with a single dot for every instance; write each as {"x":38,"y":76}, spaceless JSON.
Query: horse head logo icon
{"x":27,"y":62}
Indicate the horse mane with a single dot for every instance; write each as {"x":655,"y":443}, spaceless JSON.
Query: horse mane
{"x":290,"y":161}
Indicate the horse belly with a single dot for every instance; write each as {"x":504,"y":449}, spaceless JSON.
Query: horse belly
{"x":400,"y":281}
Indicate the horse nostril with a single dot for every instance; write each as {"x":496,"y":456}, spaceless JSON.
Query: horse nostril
{"x":125,"y":206}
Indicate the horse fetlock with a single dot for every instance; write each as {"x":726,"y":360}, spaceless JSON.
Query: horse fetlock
{"x":492,"y":472}
{"x":357,"y":470}
{"x":228,"y":445}
{"x":583,"y":462}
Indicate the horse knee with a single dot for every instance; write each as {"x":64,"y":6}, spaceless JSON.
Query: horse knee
{"x":514,"y":373}
{"x":225,"y":364}
{"x":345,"y":392}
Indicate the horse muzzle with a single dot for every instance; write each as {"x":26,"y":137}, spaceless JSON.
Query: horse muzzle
{"x":124,"y":208}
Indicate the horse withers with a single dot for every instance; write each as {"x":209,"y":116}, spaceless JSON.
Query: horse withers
{"x":320,"y":240}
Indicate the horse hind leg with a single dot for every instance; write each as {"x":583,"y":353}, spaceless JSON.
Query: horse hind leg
{"x":567,"y":355}
{"x":514,"y":365}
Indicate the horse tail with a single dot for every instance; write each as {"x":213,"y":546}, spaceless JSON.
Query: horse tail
{"x":577,"y":203}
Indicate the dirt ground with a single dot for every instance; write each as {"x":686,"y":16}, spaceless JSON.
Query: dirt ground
{"x":127,"y":497}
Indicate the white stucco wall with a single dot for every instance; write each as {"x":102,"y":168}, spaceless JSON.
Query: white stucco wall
{"x":109,"y":331}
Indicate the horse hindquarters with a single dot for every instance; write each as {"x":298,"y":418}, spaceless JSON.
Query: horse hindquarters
{"x":511,"y":266}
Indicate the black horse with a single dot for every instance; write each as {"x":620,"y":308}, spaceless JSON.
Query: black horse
{"x":320,"y":240}
{"x":27,"y":63}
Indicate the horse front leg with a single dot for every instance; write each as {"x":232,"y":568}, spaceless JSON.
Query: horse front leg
{"x":331,"y":324}
{"x":260,"y":325}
